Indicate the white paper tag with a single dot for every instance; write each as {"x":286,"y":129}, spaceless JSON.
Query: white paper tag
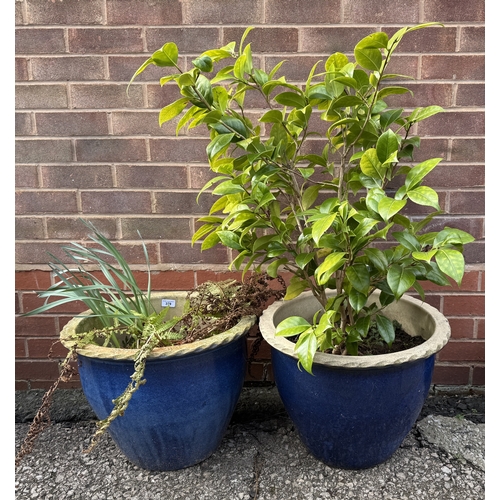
{"x":167,"y":302}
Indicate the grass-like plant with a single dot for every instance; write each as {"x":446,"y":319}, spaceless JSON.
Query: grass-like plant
{"x":116,"y":301}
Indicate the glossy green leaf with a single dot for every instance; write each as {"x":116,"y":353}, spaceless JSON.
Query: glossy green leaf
{"x":377,"y":258}
{"x":424,"y":195}
{"x":451,"y":262}
{"x":359,"y":277}
{"x":294,"y":289}
{"x":368,"y":58}
{"x":357,"y":300}
{"x":204,"y":63}
{"x":387,"y":144}
{"x":399,"y":280}
{"x":371,"y":165}
{"x":290,"y":99}
{"x":272,"y":269}
{"x":332,"y":263}
{"x":272,"y":116}
{"x":321,"y":226}
{"x":409,"y":241}
{"x":230,"y":239}
{"x":305,"y":348}
{"x":389,"y":207}
{"x":385,"y":328}
{"x":172,"y":110}
{"x":216,"y":145}
{"x":291,"y":326}
{"x":418,"y":172}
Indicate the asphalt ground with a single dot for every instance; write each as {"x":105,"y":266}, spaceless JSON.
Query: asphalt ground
{"x":261,"y":457}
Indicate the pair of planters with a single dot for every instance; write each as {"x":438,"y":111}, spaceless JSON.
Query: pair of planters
{"x":353,"y":413}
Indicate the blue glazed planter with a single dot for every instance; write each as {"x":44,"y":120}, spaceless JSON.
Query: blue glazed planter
{"x":355,"y":412}
{"x":179,"y":416}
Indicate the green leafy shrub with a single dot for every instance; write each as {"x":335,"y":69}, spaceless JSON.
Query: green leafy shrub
{"x":319,"y":183}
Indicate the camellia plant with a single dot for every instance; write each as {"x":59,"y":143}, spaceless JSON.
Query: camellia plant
{"x":319,"y":184}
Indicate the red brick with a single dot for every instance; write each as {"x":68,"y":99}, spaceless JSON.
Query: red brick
{"x":474,"y":253}
{"x":224,"y":12}
{"x":24,"y":124}
{"x":468,"y":150}
{"x":116,"y":202}
{"x":460,"y":123}
{"x":456,"y":176}
{"x":36,"y":202}
{"x":299,"y":12}
{"x":122,"y":68}
{"x":471,"y":94}
{"x":263,"y":349}
{"x":68,"y":68}
{"x":151,"y":176}
{"x":332,"y":39}
{"x":141,"y":123}
{"x":114,"y":150}
{"x":136,"y":13}
{"x":180,"y":203}
{"x":423,"y":94}
{"x":71,"y":124}
{"x":41,"y":96}
{"x":363,"y":11}
{"x":69,"y":228}
{"x":431,"y":148}
{"x":77,"y":176}
{"x":463,"y":305}
{"x":43,"y":151}
{"x":20,"y":348}
{"x":157,"y":228}
{"x":481,"y":332}
{"x":65,"y":13}
{"x":256,"y":372}
{"x":205,"y":275}
{"x":461,"y":67}
{"x":472,"y":39}
{"x":21,"y":69}
{"x":40,"y":41}
{"x":189,"y":39}
{"x":158,"y":97}
{"x":104,"y":40}
{"x":178,"y":150}
{"x":105,"y":96}
{"x":172,"y":280}
{"x":32,"y":280}
{"x":31,"y":301}
{"x":451,"y":375}
{"x":36,"y":370}
{"x":184,"y":253}
{"x":38,"y":252}
{"x":268,"y":40}
{"x":431,"y":39}
{"x":26,"y":176}
{"x":29,"y":228}
{"x":461,"y":328}
{"x":444,"y":11}
{"x":45,"y":348}
{"x":467,"y":202}
{"x":459,"y":350}
{"x":478,"y":375}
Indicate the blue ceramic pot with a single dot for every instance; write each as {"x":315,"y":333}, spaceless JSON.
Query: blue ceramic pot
{"x":354,"y":412}
{"x":179,"y":416}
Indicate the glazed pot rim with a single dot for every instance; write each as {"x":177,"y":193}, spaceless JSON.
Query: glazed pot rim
{"x":438,"y":337}
{"x":66,"y":337}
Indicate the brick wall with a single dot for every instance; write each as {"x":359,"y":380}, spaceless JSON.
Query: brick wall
{"x":86,"y":149}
